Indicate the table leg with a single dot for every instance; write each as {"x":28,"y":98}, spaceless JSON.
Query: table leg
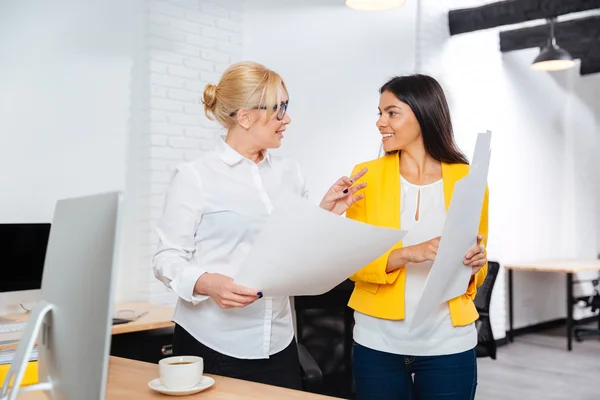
{"x":510,"y":306}
{"x":569,"y":311}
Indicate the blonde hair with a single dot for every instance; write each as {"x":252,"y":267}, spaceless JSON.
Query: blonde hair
{"x":244,"y":84}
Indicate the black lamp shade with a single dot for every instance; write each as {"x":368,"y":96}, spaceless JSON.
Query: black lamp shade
{"x":552,"y":58}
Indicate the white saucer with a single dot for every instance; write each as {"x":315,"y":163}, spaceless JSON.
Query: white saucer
{"x":204,"y":384}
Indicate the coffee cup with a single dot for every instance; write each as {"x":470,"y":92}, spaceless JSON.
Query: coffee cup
{"x":182,"y":372}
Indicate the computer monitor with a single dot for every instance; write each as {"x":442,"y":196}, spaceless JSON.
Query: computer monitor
{"x":72,"y":322}
{"x":23,"y":249}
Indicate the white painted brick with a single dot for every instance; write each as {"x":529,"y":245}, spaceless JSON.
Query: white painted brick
{"x":196,"y":132}
{"x":183,"y":72}
{"x":187,"y":49}
{"x":236,"y":38}
{"x":229,"y":25}
{"x":184,"y":143}
{"x":194,"y":109}
{"x":192,"y":155}
{"x":236,"y":16}
{"x":197,"y":63}
{"x":190,"y":4}
{"x":155,"y":201}
{"x":210,"y":76}
{"x":165,"y":153}
{"x":158,"y":188}
{"x":164,"y":80}
{"x":159,"y":128}
{"x":199,"y":18}
{"x":161,"y":176}
{"x":166,"y":33}
{"x":186,"y":26}
{"x":159,"y":19}
{"x":158,"y":140}
{"x":158,"y":67}
{"x":215,"y":10}
{"x":155,"y":42}
{"x":182,"y":95}
{"x":221,"y":67}
{"x":182,"y":119}
{"x":158,"y":91}
{"x":230,"y":4}
{"x":195,"y":86}
{"x":165,"y":104}
{"x":215,"y":56}
{"x":163,"y":7}
{"x":229,"y":48}
{"x":187,"y":44}
{"x":201,"y":41}
{"x":166,"y":57}
{"x":214,"y":33}
{"x":161,"y":165}
{"x":157,"y":116}
{"x":207,"y":123}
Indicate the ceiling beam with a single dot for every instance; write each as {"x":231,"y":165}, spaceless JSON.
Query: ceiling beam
{"x":580,"y":37}
{"x":583,"y":32}
{"x":512,"y":12}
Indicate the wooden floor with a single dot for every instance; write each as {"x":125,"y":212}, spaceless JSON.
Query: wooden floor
{"x":538,"y":367}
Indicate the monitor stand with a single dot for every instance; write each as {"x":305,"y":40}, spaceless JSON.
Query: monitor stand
{"x":21,"y":359}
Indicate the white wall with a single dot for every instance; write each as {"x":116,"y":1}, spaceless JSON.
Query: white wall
{"x":64,"y":106}
{"x":543,"y":181}
{"x":187,"y":44}
{"x":333,"y":60}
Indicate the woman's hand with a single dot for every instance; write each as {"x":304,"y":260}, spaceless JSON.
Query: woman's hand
{"x":421,"y":252}
{"x":476,"y":257}
{"x":224,"y":292}
{"x":417,"y":253}
{"x":341,"y":196}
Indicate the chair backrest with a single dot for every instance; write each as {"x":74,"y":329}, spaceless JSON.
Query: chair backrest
{"x":484,"y":292}
{"x":486,"y":343}
{"x":324,"y":326}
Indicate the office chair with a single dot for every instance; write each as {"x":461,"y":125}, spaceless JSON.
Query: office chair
{"x":312,"y":377}
{"x":593,"y":302}
{"x":324,"y":325}
{"x":486,"y":344}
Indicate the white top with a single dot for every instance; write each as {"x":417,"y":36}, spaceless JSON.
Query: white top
{"x":214,"y":209}
{"x":436,"y":336}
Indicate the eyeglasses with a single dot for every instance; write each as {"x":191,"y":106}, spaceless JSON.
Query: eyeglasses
{"x":281,"y":109}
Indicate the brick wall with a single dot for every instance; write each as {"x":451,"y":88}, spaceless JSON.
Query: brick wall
{"x":186,"y":44}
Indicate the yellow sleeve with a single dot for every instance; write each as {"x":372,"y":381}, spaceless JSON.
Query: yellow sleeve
{"x":479,"y":277}
{"x":375,"y":272}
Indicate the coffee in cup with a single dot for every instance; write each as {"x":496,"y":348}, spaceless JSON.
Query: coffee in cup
{"x":181,"y":372}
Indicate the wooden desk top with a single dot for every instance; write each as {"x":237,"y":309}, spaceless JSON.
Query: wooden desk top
{"x":566,"y":266}
{"x":128,"y":379}
{"x":158,"y":316}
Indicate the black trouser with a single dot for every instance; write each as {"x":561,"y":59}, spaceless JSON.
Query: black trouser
{"x":281,"y":369}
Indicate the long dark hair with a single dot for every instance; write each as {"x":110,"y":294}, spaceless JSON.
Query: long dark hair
{"x":424,"y":95}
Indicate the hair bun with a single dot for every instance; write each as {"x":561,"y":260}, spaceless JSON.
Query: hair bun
{"x":210,"y":98}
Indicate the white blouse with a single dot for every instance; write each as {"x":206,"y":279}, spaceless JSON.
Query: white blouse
{"x":214,"y":209}
{"x":436,"y":336}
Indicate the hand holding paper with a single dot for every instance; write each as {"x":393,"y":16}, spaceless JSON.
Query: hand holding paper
{"x":305,"y":250}
{"x":449,"y":277}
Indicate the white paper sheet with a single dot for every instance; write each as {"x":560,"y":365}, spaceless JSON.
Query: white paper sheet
{"x":449,"y":277}
{"x":304,"y":250}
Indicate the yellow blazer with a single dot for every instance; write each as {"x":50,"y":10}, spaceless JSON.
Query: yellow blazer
{"x":381,"y":294}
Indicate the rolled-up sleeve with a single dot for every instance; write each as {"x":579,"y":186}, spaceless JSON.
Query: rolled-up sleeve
{"x":176,"y":230}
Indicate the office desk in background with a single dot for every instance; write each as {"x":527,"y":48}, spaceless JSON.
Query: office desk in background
{"x":128,"y":380}
{"x":146,"y":339}
{"x":567,"y":267}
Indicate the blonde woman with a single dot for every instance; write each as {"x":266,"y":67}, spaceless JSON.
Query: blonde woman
{"x":215,"y":207}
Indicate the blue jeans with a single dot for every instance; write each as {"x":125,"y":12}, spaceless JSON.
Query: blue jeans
{"x":385,"y":376}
